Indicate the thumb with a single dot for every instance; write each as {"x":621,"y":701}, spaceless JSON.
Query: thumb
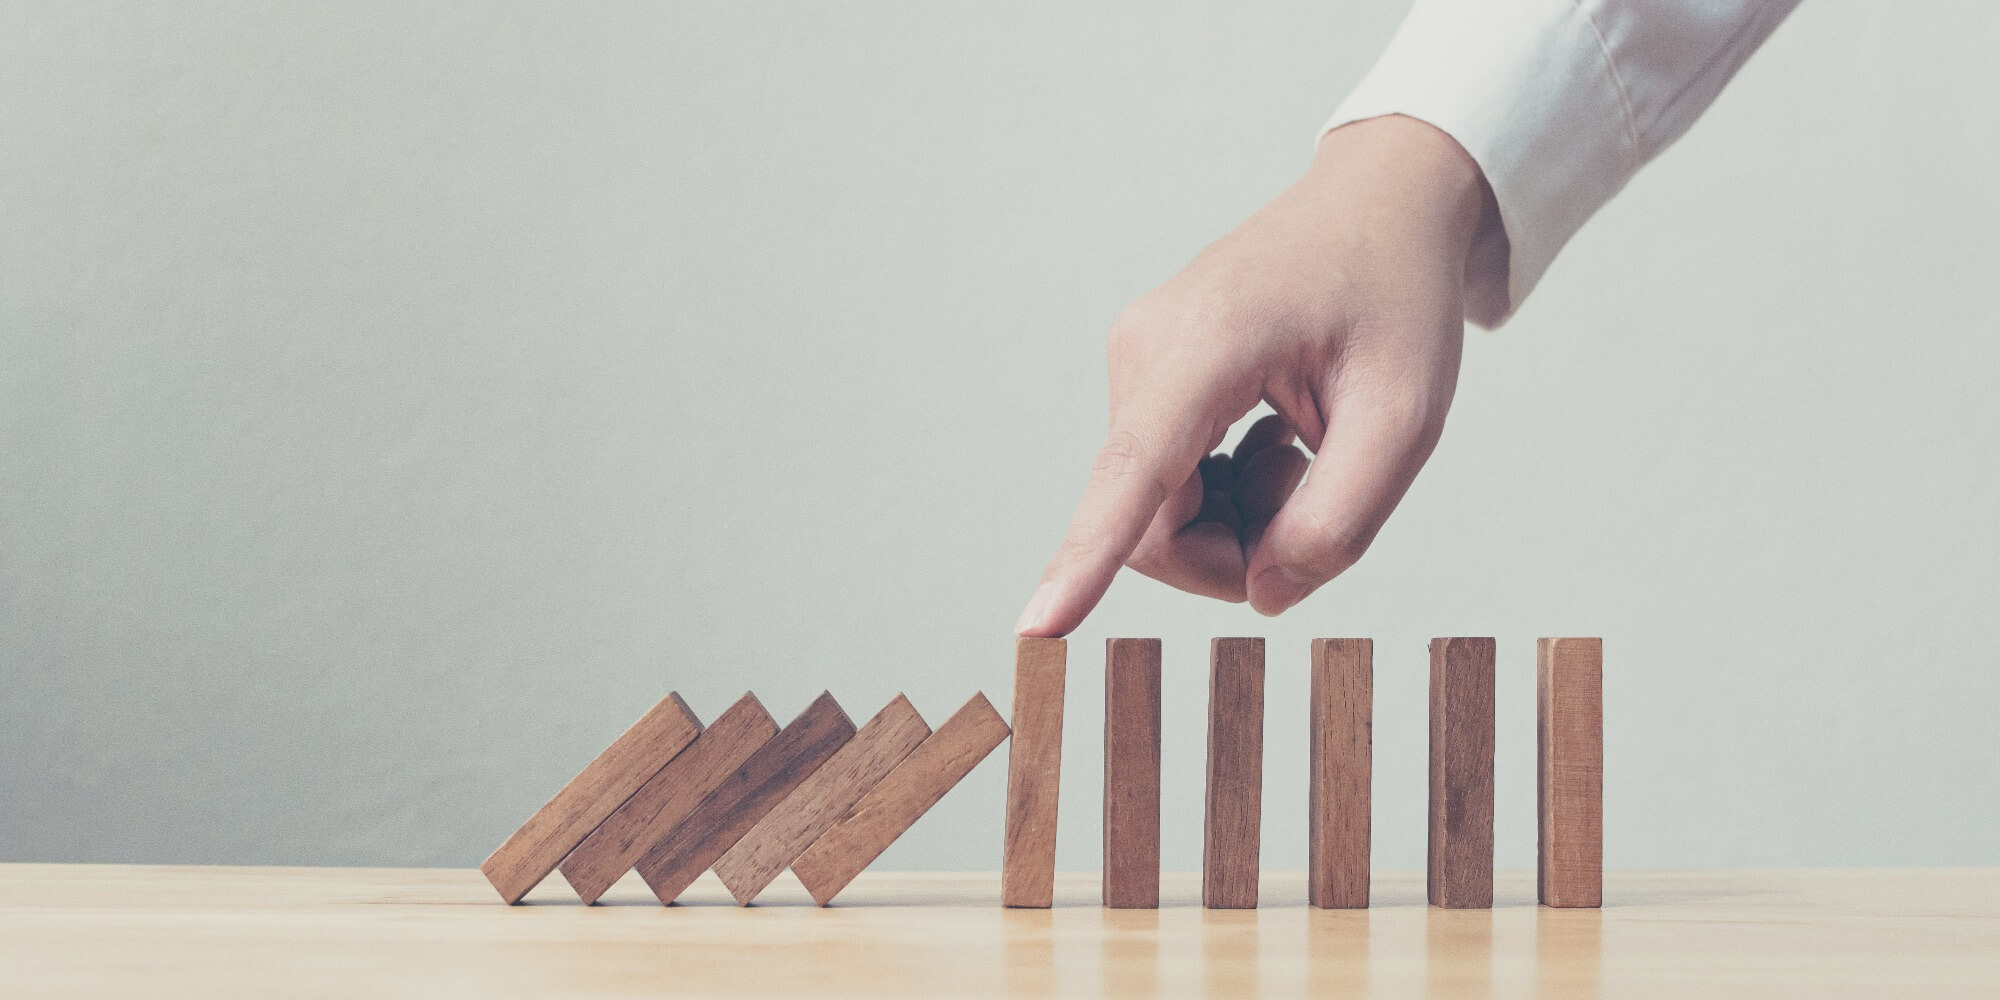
{"x":1148,"y":455}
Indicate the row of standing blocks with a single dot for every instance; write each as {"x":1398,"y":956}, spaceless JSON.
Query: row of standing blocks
{"x":673,"y":798}
{"x":1569,"y":784}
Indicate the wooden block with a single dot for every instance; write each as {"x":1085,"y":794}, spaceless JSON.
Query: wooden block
{"x":937,"y":764}
{"x":1034,"y":774}
{"x":1343,"y":694}
{"x":1132,"y":773}
{"x":1230,"y":834}
{"x":1569,"y":790}
{"x":1461,"y":835}
{"x":678,"y":858}
{"x":669,"y":797}
{"x":527,"y":857}
{"x":823,"y":798}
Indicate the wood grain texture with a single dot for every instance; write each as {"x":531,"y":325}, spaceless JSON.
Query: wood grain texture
{"x":669,"y":797}
{"x":1131,"y":878}
{"x":1235,"y":801}
{"x":527,"y":857}
{"x":746,"y":796}
{"x":1569,"y":786}
{"x":1461,"y":807}
{"x":1034,"y":773}
{"x":931,"y":770}
{"x":1341,"y":760}
{"x":821,"y":800}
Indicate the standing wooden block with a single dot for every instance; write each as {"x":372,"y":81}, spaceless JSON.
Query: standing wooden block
{"x":669,"y":797}
{"x":1230,"y":834}
{"x":821,"y":799}
{"x":1461,"y":835}
{"x":1569,"y":789}
{"x":600,"y":788}
{"x":1343,"y":694}
{"x":1132,"y":773}
{"x":909,"y":791}
{"x":677,"y":859}
{"x":1034,"y":774}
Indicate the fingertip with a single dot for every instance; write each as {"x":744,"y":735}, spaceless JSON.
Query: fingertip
{"x":1276,"y":590}
{"x":1035,"y":620}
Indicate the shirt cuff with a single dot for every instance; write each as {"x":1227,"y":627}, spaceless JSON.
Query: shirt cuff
{"x":1533,"y":99}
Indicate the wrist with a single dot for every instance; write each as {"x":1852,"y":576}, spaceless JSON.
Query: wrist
{"x":1412,"y":170}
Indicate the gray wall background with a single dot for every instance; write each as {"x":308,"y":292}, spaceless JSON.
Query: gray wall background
{"x":397,"y":399}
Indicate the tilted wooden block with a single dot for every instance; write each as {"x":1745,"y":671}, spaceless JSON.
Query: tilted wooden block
{"x":1131,"y":773}
{"x":1343,"y":685}
{"x":669,"y":797}
{"x":1461,"y":808}
{"x":555,"y":829}
{"x":1569,"y":789}
{"x":909,"y":791}
{"x":821,"y":800}
{"x":678,"y":858}
{"x":1231,"y":832}
{"x":1034,"y":774}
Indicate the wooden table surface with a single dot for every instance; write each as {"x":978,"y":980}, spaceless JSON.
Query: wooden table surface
{"x":118,"y":931}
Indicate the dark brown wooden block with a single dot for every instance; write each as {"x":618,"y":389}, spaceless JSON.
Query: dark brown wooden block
{"x":1132,"y":773}
{"x":527,"y":857}
{"x":1034,"y":774}
{"x":909,"y":791}
{"x":669,"y":797}
{"x":1461,"y":814}
{"x":779,"y":766}
{"x":1569,"y":787}
{"x":1342,"y":733}
{"x":1231,"y":832}
{"x":821,"y":800}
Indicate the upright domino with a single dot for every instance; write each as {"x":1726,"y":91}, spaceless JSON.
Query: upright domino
{"x":1034,"y":774}
{"x":555,"y":829}
{"x":882,"y":815}
{"x":1340,"y":757}
{"x":759,"y":784}
{"x":1131,"y":773}
{"x":1461,"y":778}
{"x":670,"y":796}
{"x":1569,"y":787}
{"x":821,"y":800}
{"x":1235,"y":797}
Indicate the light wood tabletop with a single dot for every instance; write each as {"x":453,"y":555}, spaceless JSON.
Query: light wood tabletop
{"x":119,"y":931}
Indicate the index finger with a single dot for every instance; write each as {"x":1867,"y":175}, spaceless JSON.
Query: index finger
{"x":1148,"y":454}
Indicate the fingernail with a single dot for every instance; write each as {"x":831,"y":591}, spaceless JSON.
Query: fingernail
{"x":1037,"y":609}
{"x":1277,"y":589}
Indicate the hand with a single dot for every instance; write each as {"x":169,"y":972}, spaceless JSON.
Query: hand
{"x":1339,"y":303}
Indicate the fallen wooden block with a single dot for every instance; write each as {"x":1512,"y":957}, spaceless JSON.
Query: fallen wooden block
{"x":527,"y":857}
{"x":1131,"y":773}
{"x":1235,"y":799}
{"x":666,"y":799}
{"x":1569,"y":787}
{"x":1034,"y":774}
{"x":1342,"y":698}
{"x":1461,"y":774}
{"x":909,"y":791}
{"x":821,"y":800}
{"x":678,"y":858}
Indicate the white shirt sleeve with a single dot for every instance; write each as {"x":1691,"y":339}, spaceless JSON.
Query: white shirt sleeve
{"x":1560,"y":102}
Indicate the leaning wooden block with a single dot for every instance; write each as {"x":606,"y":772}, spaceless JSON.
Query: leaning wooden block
{"x":668,"y":798}
{"x":909,"y":791}
{"x":1231,"y":831}
{"x":1131,"y":773}
{"x":527,"y":857}
{"x":1569,"y":790}
{"x":821,"y":800}
{"x":1342,"y":697}
{"x":1034,"y":774}
{"x":1461,"y":814}
{"x":679,"y":857}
